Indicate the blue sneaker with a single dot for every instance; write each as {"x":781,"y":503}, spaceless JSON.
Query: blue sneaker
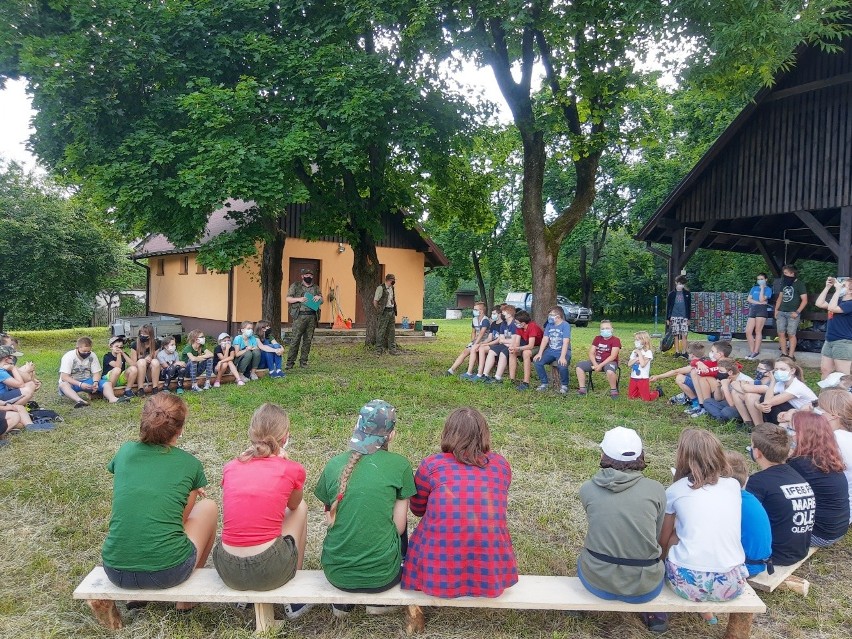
{"x":467,"y":377}
{"x":523,"y":386}
{"x":493,"y":380}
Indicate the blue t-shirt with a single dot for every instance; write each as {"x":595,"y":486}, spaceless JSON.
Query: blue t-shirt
{"x":754,"y":293}
{"x":555,"y":334}
{"x":756,"y":535}
{"x":240,"y":341}
{"x":495,"y":329}
{"x":840,"y":324}
{"x":4,"y":375}
{"x":509,"y":329}
{"x":480,"y":322}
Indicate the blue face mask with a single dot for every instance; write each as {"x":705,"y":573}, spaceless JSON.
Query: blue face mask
{"x":495,"y":316}
{"x":761,"y":282}
{"x":476,"y":312}
{"x":781,"y":376}
{"x":606,"y":333}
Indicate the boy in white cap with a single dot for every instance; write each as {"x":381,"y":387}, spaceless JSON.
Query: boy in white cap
{"x":620,"y":559}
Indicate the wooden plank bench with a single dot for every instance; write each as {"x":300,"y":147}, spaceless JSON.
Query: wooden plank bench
{"x":227,"y":378}
{"x":783,"y":577}
{"x":310,"y":586}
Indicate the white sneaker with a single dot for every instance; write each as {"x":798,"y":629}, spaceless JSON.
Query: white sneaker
{"x":341,"y":610}
{"x":254,"y":377}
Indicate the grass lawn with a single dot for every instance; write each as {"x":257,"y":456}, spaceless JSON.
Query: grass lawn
{"x":55,"y":490}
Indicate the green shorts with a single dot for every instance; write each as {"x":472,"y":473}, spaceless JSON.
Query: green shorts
{"x":267,"y":570}
{"x":838,"y":349}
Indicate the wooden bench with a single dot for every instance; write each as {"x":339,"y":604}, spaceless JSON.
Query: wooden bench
{"x":311,"y":586}
{"x":783,"y":577}
{"x":227,"y":378}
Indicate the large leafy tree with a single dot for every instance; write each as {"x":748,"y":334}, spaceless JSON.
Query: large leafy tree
{"x":163,"y":111}
{"x":54,"y":255}
{"x":584,"y":53}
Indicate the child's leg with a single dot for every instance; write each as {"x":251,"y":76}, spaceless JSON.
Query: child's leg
{"x":487,"y":363}
{"x":696,"y":384}
{"x":180,"y":374}
{"x":611,"y":371}
{"x":193,"y":373}
{"x":462,"y":356}
{"x":501,"y":365}
{"x":759,"y":323}
{"x":131,"y":373}
{"x":645,"y":391}
{"x":680,"y":380}
{"x":142,"y":371}
{"x":166,"y":375}
{"x":154,"y":370}
{"x":296,"y":525}
{"x":513,"y":365}
{"x":563,"y":374}
{"x":633,"y":391}
{"x":580,"y":372}
{"x":208,"y":369}
{"x":233,"y":368}
{"x":528,"y":356}
{"x":479,"y":359}
{"x":220,"y":369}
{"x":752,"y":401}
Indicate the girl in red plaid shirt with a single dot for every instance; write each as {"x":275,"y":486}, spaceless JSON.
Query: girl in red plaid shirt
{"x":462,"y":546}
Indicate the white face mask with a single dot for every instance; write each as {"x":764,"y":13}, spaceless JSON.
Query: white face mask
{"x":201,"y":341}
{"x":495,"y":316}
{"x":679,"y":287}
{"x":476,"y":312}
{"x":761,"y":282}
{"x":247,"y":332}
{"x":551,"y":318}
{"x":637,"y":343}
{"x":171,"y":348}
{"x":226,"y":345}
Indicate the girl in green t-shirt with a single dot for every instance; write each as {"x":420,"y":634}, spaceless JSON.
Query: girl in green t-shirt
{"x":366,"y":509}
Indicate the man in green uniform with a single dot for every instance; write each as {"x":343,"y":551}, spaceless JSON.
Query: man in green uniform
{"x":304,"y":318}
{"x":384,"y":302}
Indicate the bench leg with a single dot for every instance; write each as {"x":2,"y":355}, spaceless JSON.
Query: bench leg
{"x":739,"y":625}
{"x":796,"y":584}
{"x":106,"y":613}
{"x":264,"y":617}
{"x":415,"y":621}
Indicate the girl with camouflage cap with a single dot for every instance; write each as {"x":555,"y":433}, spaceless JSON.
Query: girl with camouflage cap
{"x":366,"y":492}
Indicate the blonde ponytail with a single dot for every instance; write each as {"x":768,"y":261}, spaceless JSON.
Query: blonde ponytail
{"x":354,"y":458}
{"x":269,"y":425}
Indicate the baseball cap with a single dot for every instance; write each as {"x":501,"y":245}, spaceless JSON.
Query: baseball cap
{"x":9,"y":351}
{"x":306,"y":270}
{"x":222,"y":336}
{"x":831,"y":381}
{"x":117,"y":338}
{"x":621,"y":444}
{"x":375,"y":424}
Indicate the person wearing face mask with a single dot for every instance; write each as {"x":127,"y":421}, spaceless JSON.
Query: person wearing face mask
{"x":143,"y":355}
{"x":478,"y":333}
{"x":603,"y":356}
{"x":270,"y":350}
{"x":837,"y":349}
{"x":223,"y":360}
{"x":304,"y":318}
{"x":197,"y":357}
{"x":492,"y":338}
{"x":172,"y":367}
{"x":678,"y":313}
{"x":721,"y":404}
{"x":80,"y":371}
{"x":741,"y":390}
{"x":384,"y":301}
{"x":640,"y":369}
{"x":788,"y":391}
{"x":791,"y":301}
{"x":758,"y":298}
{"x":555,"y":349}
{"x":247,"y":351}
{"x":118,"y":367}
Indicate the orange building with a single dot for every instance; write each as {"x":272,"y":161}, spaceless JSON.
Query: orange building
{"x":216,"y":302}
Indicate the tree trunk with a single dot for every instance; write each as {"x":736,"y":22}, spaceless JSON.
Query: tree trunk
{"x":2,"y":318}
{"x":368,"y":273}
{"x":492,"y":299}
{"x":272,"y":273}
{"x":480,"y":282}
{"x":543,"y":253}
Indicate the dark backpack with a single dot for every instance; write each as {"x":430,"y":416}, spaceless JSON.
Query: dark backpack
{"x":45,"y":415}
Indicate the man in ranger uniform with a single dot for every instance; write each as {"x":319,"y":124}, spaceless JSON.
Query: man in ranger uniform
{"x":300,"y":296}
{"x":384,"y":302}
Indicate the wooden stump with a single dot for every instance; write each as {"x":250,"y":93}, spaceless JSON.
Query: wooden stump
{"x":415,"y":621}
{"x":739,"y":625}
{"x":106,"y":613}
{"x":796,"y":584}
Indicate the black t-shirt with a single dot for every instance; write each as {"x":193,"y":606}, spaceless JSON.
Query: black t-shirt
{"x":218,"y":354}
{"x":135,"y":344}
{"x":832,"y":498}
{"x":109,"y":358}
{"x":789,"y":501}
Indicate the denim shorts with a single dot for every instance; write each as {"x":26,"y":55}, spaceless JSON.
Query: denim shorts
{"x":785,"y":323}
{"x":757,"y":310}
{"x":266,"y":570}
{"x":158,"y":580}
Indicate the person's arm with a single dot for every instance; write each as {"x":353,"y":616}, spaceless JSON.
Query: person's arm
{"x":613,"y":357}
{"x":563,"y":354}
{"x":683,"y":370}
{"x":634,"y":357}
{"x":376,"y":297}
{"x":803,"y":302}
{"x":834,"y":305}
{"x":296,"y":498}
{"x":291,"y":295}
{"x":763,"y":296}
{"x":725,"y":387}
{"x":400,"y":515}
{"x":667,"y":536}
{"x":480,"y":337}
{"x":239,"y":349}
{"x":544,"y":344}
{"x":15,"y":381}
{"x":750,"y":299}
{"x":822,"y":299}
{"x":190,"y":503}
{"x":642,"y":358}
{"x":592,"y":352}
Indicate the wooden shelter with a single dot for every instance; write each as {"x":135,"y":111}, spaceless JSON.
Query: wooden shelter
{"x":778,"y":181}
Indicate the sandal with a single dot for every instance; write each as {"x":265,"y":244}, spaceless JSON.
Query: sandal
{"x":656,"y":622}
{"x":81,"y":404}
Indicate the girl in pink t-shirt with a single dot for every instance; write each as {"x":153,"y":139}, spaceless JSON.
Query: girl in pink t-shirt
{"x":265,"y":518}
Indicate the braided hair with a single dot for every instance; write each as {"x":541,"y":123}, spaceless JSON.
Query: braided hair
{"x":354,"y":458}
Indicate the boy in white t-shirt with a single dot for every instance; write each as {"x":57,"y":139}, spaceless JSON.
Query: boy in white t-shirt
{"x":640,"y":369}
{"x":80,"y":371}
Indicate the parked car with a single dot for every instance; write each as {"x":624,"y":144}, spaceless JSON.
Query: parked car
{"x":574,"y":313}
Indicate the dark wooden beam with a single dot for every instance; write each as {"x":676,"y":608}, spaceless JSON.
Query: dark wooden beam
{"x":819,"y":230}
{"x":844,"y":256}
{"x":652,"y":249}
{"x":696,"y":242}
{"x":843,"y":78}
{"x":772,"y":263}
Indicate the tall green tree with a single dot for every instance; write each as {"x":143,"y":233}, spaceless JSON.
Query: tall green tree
{"x":587,"y":51}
